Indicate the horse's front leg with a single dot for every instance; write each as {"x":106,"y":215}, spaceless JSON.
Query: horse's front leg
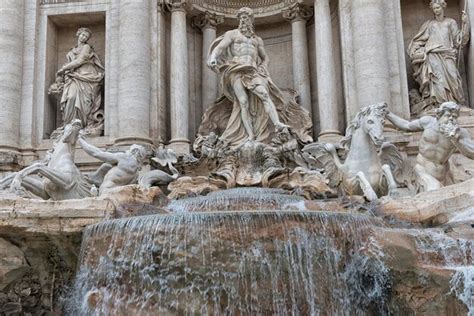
{"x":35,"y":186}
{"x":15,"y":180}
{"x":369,"y":192}
{"x":393,"y":190}
{"x":5,"y":182}
{"x":54,"y":176}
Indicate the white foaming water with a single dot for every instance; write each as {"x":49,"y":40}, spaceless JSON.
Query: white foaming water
{"x":462,"y":285}
{"x":238,"y":199}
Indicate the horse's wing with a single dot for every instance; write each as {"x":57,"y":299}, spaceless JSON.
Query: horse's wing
{"x":165,"y":156}
{"x":324,"y":156}
{"x":390,"y":155}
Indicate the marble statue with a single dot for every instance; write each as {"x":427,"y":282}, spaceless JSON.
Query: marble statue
{"x":441,"y":136}
{"x":435,"y":53}
{"x":252,"y":108}
{"x":55,"y":177}
{"x":165,"y":157}
{"x":247,"y":136}
{"x":370,"y":162}
{"x":79,"y":83}
{"x":119,"y":169}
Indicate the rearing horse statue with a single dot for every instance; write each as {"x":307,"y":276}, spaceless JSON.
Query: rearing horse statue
{"x":367,"y":169}
{"x":55,"y":177}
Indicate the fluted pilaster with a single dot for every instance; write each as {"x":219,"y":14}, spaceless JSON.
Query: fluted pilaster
{"x":208,"y":22}
{"x":326,"y":72}
{"x":297,"y":15}
{"x":179,"y":73}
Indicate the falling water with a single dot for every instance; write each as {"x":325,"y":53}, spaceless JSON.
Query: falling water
{"x":456,"y":254}
{"x":252,"y":263}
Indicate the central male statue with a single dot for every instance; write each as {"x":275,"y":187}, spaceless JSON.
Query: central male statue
{"x":259,"y":107}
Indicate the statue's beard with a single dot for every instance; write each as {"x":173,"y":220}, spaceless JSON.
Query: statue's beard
{"x":449,"y":128}
{"x":246,"y":29}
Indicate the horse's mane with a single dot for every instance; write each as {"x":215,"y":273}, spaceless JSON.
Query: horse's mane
{"x":378,"y":108}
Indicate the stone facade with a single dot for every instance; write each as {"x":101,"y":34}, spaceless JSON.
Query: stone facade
{"x":157,"y":85}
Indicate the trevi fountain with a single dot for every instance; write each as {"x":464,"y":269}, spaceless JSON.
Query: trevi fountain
{"x":237,"y":157}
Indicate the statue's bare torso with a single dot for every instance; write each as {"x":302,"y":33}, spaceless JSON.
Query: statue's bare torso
{"x":243,"y":48}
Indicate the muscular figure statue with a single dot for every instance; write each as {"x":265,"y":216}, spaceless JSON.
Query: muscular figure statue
{"x":440,"y":138}
{"x":242,"y":61}
{"x":124,"y":166}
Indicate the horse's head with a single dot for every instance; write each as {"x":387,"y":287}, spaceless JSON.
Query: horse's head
{"x":370,"y":120}
{"x":373,"y":122}
{"x":71,"y":132}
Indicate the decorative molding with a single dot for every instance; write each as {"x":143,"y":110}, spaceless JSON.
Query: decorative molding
{"x":231,"y":7}
{"x":297,"y":12}
{"x":207,"y":20}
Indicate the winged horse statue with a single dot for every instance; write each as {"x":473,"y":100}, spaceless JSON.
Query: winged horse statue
{"x":55,"y":177}
{"x":367,"y":168}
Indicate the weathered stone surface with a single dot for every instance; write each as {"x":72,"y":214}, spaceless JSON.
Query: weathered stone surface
{"x":51,"y":217}
{"x":12,"y":263}
{"x":132,"y":200}
{"x":431,"y":208}
{"x":422,"y":267}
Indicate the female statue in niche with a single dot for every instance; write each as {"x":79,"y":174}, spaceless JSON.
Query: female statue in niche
{"x":79,"y":82}
{"x":434,"y":54}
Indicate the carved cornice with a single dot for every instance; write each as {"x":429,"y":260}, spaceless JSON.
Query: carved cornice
{"x":297,"y":12}
{"x":207,"y":20}
{"x":178,"y":5}
{"x":231,"y":7}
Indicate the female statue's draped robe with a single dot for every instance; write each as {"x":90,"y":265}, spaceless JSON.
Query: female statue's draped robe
{"x":434,"y":54}
{"x":81,"y":97}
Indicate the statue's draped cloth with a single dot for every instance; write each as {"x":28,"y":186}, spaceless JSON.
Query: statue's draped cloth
{"x":81,"y":96}
{"x":437,"y":72}
{"x":224,"y":116}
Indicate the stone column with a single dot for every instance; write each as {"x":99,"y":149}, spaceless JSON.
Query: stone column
{"x":134,"y":72}
{"x":370,"y":53}
{"x":161,"y":60}
{"x":11,"y":69}
{"x":326,"y":72}
{"x":179,"y":73}
{"x":297,"y":15}
{"x":207,"y":22}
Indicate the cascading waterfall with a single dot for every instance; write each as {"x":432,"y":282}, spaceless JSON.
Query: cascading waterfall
{"x":252,"y":263}
{"x":436,"y":248}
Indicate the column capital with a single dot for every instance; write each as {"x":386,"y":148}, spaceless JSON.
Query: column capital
{"x":297,"y":12}
{"x":178,"y":5}
{"x":207,"y":20}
